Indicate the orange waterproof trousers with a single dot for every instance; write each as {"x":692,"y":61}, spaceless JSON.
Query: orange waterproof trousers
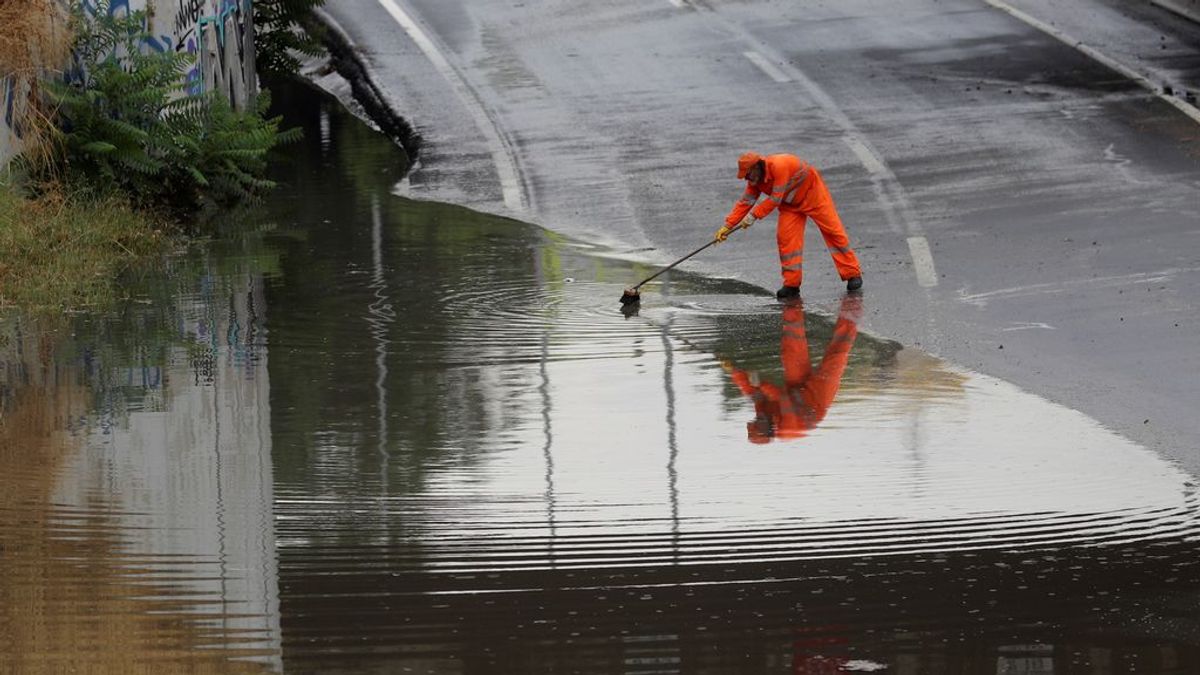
{"x":813,"y":202}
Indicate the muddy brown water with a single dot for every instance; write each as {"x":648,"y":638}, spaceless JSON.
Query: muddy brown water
{"x":367,"y":434}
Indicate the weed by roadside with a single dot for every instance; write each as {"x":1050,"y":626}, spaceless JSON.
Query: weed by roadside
{"x":64,"y":251}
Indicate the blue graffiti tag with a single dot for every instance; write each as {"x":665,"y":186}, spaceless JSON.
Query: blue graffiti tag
{"x":114,"y":6}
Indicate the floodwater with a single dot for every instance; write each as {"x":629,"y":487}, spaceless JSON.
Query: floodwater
{"x":367,"y":434}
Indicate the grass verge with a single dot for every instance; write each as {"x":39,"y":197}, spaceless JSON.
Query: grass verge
{"x":64,"y":252}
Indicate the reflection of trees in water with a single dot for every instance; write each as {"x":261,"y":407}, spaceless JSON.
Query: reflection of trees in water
{"x":76,"y":592}
{"x":429,"y":253}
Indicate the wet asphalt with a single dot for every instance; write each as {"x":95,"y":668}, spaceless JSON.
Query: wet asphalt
{"x":1057,"y":197}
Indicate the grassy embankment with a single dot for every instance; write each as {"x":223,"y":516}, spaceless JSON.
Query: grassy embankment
{"x":58,"y":249}
{"x":62,"y":251}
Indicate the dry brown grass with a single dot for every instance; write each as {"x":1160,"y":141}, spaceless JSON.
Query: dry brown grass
{"x":35,"y":40}
{"x":35,"y":36}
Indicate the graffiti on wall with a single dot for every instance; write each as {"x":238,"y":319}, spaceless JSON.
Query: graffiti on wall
{"x":219,"y":34}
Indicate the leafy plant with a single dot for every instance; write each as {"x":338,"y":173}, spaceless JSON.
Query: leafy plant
{"x":282,"y":29}
{"x":128,"y":125}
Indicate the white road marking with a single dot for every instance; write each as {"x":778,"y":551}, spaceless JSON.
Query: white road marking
{"x":918,"y":248}
{"x":1091,"y":283}
{"x":888,"y":189}
{"x":767,"y":67}
{"x":678,"y":3}
{"x":1092,"y":52}
{"x":326,"y":134}
{"x":502,"y":156}
{"x":867,"y":156}
{"x":896,"y":207}
{"x":1028,"y":325}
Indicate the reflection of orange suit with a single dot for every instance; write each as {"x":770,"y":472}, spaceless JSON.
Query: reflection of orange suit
{"x":807,"y":658}
{"x":800,"y":405}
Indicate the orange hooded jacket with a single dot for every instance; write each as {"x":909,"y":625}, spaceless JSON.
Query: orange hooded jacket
{"x":784,"y":182}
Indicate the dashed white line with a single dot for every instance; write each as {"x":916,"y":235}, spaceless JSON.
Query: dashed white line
{"x":918,"y":247}
{"x":506,"y":166}
{"x":767,"y":67}
{"x":1092,"y":52}
{"x":678,"y":3}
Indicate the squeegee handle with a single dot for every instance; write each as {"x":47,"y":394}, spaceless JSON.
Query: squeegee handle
{"x":656,"y":274}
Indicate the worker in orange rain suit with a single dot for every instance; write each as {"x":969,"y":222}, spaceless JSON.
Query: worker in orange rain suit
{"x":797,"y":189}
{"x":800,"y":405}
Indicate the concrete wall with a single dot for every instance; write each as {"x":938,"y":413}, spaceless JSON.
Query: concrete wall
{"x":220,"y":33}
{"x":13,"y":92}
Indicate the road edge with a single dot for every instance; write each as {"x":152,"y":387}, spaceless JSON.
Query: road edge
{"x":1188,"y":9}
{"x":346,"y":60}
{"x":1166,"y":92}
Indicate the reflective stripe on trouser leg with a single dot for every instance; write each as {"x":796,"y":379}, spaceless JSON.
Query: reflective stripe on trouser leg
{"x":825,"y":215}
{"x":793,"y":348}
{"x":822,"y":387}
{"x":789,"y":235}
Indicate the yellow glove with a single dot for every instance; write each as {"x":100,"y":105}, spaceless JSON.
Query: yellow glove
{"x":747,"y":221}
{"x":723,"y":233}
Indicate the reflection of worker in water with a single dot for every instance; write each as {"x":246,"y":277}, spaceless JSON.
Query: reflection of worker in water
{"x":801,"y":403}
{"x":811,"y":646}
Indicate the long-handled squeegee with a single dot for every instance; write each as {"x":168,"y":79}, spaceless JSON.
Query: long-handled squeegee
{"x":632,"y":295}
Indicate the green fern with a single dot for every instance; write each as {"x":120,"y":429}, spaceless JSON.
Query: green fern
{"x":284,"y":28}
{"x":128,"y":126}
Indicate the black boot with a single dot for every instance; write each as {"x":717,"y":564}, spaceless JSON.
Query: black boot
{"x":788,"y":292}
{"x":853,"y":283}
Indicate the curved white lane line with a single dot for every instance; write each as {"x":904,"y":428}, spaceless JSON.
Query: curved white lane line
{"x":767,"y":67}
{"x":888,"y":189}
{"x":867,"y":157}
{"x":1092,"y":52}
{"x":502,"y":156}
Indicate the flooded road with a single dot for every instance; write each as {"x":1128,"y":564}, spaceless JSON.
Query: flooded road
{"x":369,"y":434}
